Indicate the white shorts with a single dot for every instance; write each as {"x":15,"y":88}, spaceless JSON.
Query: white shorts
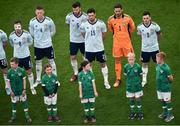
{"x":166,"y":96}
{"x":86,"y":100}
{"x":20,"y":98}
{"x":50,"y":101}
{"x":136,"y":94}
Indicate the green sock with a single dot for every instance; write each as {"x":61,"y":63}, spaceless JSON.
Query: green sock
{"x":13,"y":110}
{"x":54,"y":110}
{"x":164,"y":106}
{"x":86,"y":109}
{"x":92,"y":109}
{"x":139,"y":105}
{"x":49,"y":110}
{"x":25,"y":106}
{"x":169,"y":108}
{"x":132,"y":103}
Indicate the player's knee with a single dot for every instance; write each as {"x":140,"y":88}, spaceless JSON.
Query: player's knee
{"x":38,"y":62}
{"x":51,"y":61}
{"x":73,"y":57}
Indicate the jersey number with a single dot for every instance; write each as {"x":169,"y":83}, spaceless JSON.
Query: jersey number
{"x":93,"y":33}
{"x":148,"y":35}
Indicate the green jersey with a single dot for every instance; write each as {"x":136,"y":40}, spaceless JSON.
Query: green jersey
{"x":49,"y":84}
{"x":133,"y":77}
{"x":86,"y":80}
{"x":162,"y":80}
{"x":16,"y":76}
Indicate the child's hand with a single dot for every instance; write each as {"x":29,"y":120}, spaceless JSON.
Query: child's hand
{"x":53,"y":95}
{"x":24,"y":93}
{"x":12,"y":94}
{"x":96,"y":94}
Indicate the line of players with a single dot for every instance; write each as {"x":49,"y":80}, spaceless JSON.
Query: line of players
{"x":86,"y":34}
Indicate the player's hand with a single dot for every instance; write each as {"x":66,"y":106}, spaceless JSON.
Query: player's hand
{"x":12,"y":94}
{"x":24,"y":93}
{"x":80,"y":96}
{"x":96,"y":94}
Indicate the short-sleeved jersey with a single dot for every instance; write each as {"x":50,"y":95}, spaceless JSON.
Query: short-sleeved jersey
{"x":133,"y":77}
{"x":16,"y":76}
{"x":86,"y":80}
{"x":74,"y":23}
{"x":122,"y":28}
{"x":3,"y":38}
{"x":149,"y":36}
{"x":42,"y":32}
{"x":21,"y":44}
{"x":93,"y":35}
{"x":162,"y":73}
{"x":49,"y":82}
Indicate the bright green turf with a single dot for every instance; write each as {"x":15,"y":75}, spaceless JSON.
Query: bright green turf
{"x":111,"y":106}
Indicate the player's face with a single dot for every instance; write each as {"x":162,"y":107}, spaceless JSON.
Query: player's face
{"x":48,"y":70}
{"x":87,"y":67}
{"x":159,"y":60}
{"x":146,"y":19}
{"x":18,"y":27}
{"x":13,"y":65}
{"x":91,"y":16}
{"x":77,"y":10}
{"x":118,"y":12}
{"x":40,"y":14}
{"x":131,"y":60}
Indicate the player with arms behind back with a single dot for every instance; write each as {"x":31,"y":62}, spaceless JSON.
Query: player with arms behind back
{"x":94,"y":31}
{"x":150,"y":34}
{"x":42,"y":29}
{"x":20,"y":41}
{"x":122,"y":26}
{"x":74,"y":20}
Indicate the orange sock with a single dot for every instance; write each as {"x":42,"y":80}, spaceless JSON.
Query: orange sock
{"x":118,"y":68}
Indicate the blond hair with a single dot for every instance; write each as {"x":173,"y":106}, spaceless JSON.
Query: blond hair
{"x":161,"y":55}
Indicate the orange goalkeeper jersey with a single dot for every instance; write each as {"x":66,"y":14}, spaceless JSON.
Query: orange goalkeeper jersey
{"x":122,"y":28}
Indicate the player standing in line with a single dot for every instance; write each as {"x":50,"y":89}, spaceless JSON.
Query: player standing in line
{"x":164,"y":80}
{"x":3,"y":61}
{"x":50,"y":86}
{"x":16,"y":78}
{"x":20,"y":41}
{"x":94,"y":31}
{"x":134,"y":92}
{"x":74,"y":20}
{"x":150,"y":34}
{"x":87,"y":91}
{"x":122,"y":26}
{"x":42,"y":29}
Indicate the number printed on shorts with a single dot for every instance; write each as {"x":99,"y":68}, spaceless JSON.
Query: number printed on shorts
{"x":4,"y":62}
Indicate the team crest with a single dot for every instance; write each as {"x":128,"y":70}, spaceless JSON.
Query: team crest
{"x":53,"y":81}
{"x":135,"y":71}
{"x":45,"y":26}
{"x":161,"y":71}
{"x":123,"y":23}
{"x":19,"y":74}
{"x":97,"y":28}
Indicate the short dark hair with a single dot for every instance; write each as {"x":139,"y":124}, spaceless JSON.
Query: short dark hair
{"x":17,"y":22}
{"x":39,"y":7}
{"x":15,"y":60}
{"x":118,"y":5}
{"x":47,"y":66}
{"x":91,"y":10}
{"x":76,"y":4}
{"x":146,"y":13}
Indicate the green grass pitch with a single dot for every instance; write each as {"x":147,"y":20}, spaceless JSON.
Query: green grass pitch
{"x":111,"y":106}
